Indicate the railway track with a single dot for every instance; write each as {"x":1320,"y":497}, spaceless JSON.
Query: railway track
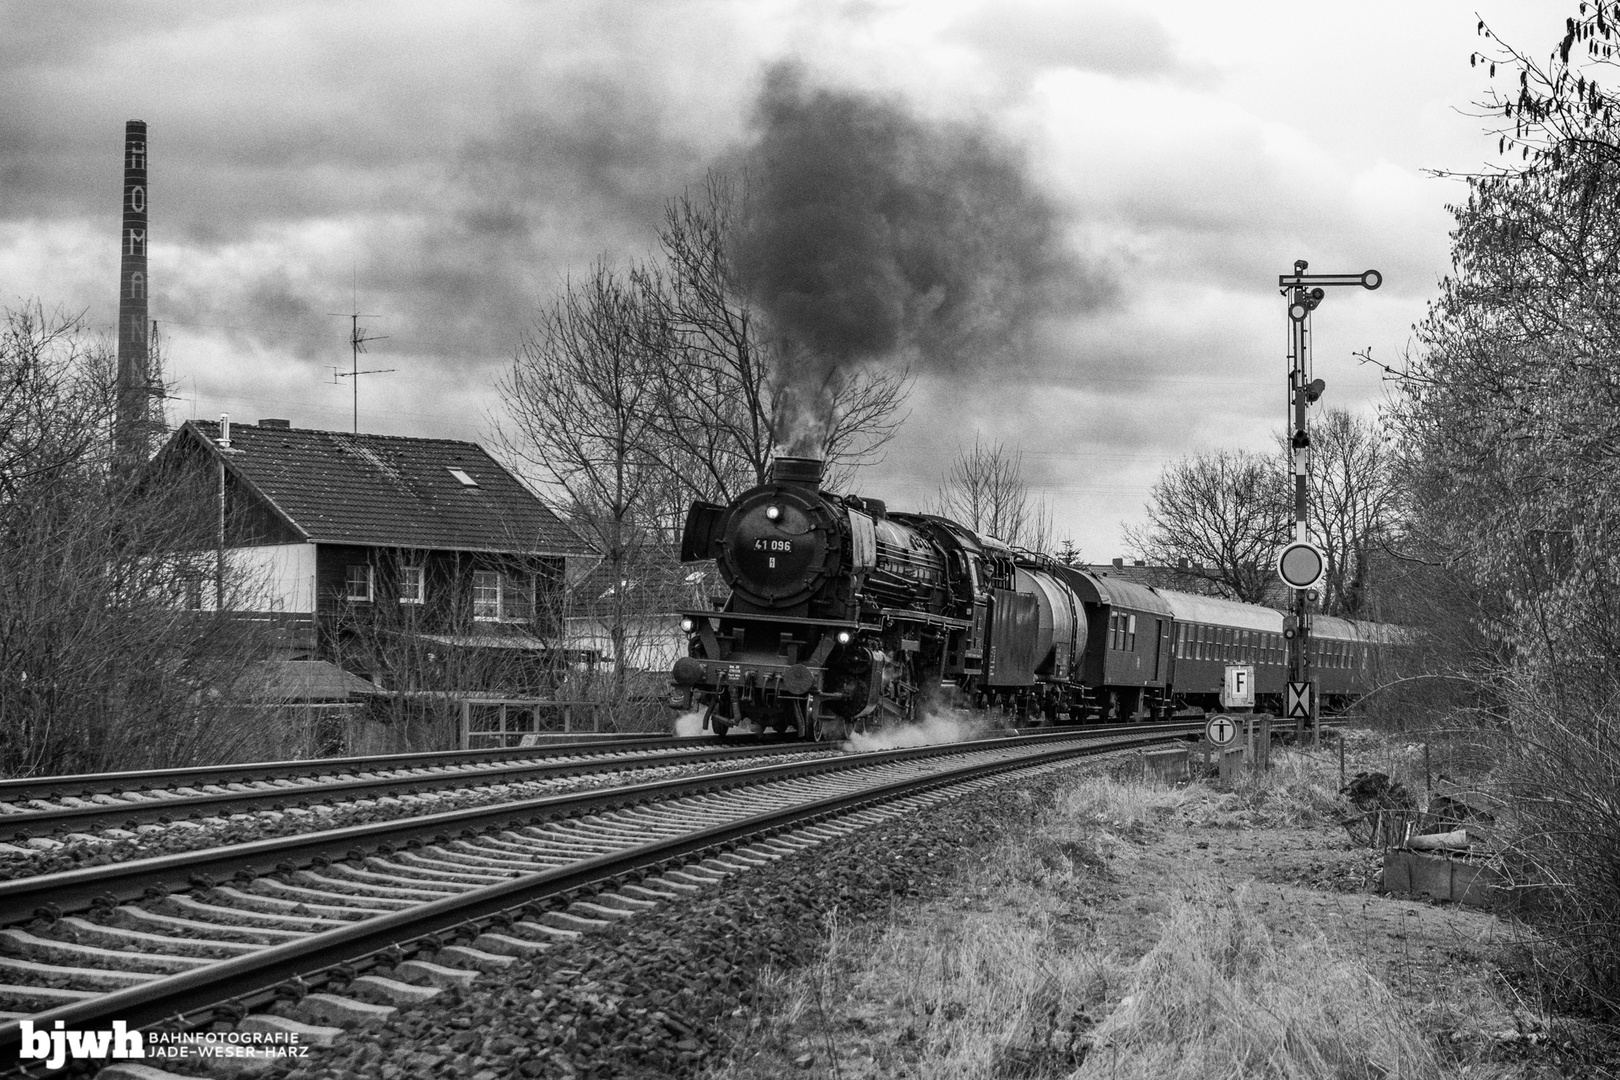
{"x":77,"y":806}
{"x":229,"y":932}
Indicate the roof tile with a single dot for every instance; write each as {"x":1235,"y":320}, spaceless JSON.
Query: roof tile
{"x":391,"y":490}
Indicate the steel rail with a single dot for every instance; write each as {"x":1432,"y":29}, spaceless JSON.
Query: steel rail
{"x":192,"y":807}
{"x":21,"y":789}
{"x":56,"y":894}
{"x":256,"y":977}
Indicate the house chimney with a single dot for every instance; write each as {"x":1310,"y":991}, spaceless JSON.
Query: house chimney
{"x":224,"y":431}
{"x":134,"y":393}
{"x":1119,"y":563}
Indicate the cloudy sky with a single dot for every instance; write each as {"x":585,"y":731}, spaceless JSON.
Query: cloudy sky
{"x":442,"y":167}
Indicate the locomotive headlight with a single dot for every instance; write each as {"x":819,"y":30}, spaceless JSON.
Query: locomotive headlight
{"x":688,"y":624}
{"x":843,"y":637}
{"x":773,"y":512}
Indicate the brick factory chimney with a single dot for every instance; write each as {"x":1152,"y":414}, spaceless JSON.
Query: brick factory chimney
{"x":134,"y":391}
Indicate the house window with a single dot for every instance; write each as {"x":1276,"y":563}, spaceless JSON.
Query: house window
{"x":463,"y":478}
{"x":191,"y":592}
{"x":412,"y":584}
{"x":517,"y":596}
{"x":357,"y":581}
{"x":502,"y":597}
{"x":486,"y":594}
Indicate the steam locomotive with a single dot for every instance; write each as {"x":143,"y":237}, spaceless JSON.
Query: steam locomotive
{"x":843,"y":615}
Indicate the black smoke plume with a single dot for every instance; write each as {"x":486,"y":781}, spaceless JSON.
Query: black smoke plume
{"x":874,"y":234}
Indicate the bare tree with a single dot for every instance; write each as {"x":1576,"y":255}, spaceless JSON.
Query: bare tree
{"x":106,"y":658}
{"x":583,"y":398}
{"x":985,"y":490}
{"x":1353,"y":505}
{"x":1223,"y":513}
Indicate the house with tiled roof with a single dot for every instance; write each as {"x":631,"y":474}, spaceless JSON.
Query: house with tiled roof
{"x":395,"y":558}
{"x":643,"y":598}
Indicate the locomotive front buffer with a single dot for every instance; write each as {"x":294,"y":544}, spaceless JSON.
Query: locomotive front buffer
{"x":770,"y":672}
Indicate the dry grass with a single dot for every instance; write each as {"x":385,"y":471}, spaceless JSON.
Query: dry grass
{"x":1217,"y":997}
{"x":1055,"y":957}
{"x":1301,"y":788}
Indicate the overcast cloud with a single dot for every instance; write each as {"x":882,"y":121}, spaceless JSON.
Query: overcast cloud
{"x":445,"y":166}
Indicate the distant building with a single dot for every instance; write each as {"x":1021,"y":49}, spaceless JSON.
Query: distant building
{"x":645,"y":597}
{"x":416,"y":564}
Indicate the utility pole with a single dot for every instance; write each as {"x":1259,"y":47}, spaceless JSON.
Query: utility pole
{"x":357,"y":345}
{"x":1301,"y":564}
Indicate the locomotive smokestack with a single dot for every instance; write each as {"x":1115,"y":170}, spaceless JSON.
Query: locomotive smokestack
{"x":805,"y":472}
{"x":133,"y":390}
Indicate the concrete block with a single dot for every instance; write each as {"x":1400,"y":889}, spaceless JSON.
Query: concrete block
{"x":544,"y":932}
{"x":1431,"y":875}
{"x":308,"y":1034}
{"x":331,"y":1009}
{"x":425,"y":973}
{"x":1397,"y":872}
{"x":624,"y":903}
{"x":129,"y":1070}
{"x":473,"y":959}
{"x":1169,"y":766}
{"x":562,"y":920}
{"x":506,"y":945}
{"x":1475,"y":884}
{"x":382,"y":991}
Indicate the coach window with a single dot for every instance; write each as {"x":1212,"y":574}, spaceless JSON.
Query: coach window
{"x":1200,"y":632}
{"x":1130,"y":635}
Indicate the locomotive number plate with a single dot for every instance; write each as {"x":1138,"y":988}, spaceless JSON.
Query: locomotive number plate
{"x":773,"y":545}
{"x":734,"y":673}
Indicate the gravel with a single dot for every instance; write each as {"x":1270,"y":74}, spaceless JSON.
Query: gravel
{"x":661,"y":995}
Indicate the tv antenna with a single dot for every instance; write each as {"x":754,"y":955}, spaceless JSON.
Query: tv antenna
{"x":357,"y":345}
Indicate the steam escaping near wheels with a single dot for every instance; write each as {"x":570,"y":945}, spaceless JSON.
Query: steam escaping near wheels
{"x":689,"y":726}
{"x":936,"y":729}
